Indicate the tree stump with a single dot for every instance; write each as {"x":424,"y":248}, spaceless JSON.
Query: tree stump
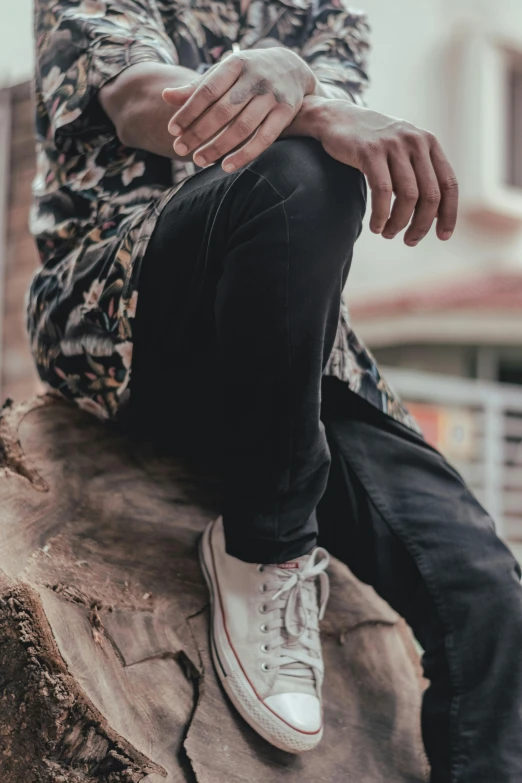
{"x":105,"y":673}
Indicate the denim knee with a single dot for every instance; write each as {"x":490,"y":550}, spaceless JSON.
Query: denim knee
{"x":300,"y":165}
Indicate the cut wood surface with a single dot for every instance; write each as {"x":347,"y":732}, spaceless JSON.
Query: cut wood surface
{"x":105,"y":672}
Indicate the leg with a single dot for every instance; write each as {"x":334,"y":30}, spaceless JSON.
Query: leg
{"x":413,"y":530}
{"x":239,"y":295}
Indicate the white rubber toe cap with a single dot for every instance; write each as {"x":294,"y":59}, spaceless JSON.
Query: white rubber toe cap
{"x":300,"y":710}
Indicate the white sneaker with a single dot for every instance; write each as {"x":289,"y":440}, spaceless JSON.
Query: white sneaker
{"x":265,"y":639}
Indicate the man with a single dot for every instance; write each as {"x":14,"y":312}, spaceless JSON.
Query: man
{"x":220,"y":288}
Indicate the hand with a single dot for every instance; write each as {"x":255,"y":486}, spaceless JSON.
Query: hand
{"x":250,"y":97}
{"x":397,"y":158}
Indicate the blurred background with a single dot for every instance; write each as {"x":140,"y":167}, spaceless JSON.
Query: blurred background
{"x":445,"y":319}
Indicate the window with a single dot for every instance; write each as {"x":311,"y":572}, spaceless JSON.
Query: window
{"x":487,"y":128}
{"x":514,"y":125}
{"x":510,"y":370}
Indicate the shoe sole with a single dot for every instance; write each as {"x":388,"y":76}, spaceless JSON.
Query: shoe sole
{"x":236,"y":685}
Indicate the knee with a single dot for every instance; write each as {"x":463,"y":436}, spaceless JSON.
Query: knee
{"x":299,"y":167}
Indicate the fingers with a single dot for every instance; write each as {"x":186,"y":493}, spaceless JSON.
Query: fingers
{"x":449,"y":191}
{"x":238,"y":131}
{"x":406,"y":191}
{"x":428,"y":203}
{"x":425,"y":187}
{"x":209,"y":91}
{"x":176,"y":96}
{"x":215,"y":119}
{"x":377,"y":172}
{"x":269,"y":130}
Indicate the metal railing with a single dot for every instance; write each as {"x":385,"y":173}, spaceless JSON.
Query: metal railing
{"x":494,"y":469}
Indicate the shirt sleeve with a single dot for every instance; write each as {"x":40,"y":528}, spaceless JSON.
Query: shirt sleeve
{"x":82,"y":45}
{"x":336,"y":46}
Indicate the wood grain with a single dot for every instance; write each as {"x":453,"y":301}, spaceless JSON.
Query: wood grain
{"x":105,"y":672}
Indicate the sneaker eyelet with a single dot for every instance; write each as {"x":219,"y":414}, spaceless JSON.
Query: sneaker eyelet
{"x":260,"y":568}
{"x":265,"y":648}
{"x":263,"y":628}
{"x":263,"y":608}
{"x":266,"y":666}
{"x":263,"y":588}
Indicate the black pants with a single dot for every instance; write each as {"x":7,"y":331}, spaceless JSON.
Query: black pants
{"x":239,"y":298}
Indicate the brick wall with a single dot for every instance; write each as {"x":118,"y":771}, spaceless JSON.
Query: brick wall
{"x":18,"y":376}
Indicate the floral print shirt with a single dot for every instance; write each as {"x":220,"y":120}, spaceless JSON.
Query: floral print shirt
{"x":96,"y":201}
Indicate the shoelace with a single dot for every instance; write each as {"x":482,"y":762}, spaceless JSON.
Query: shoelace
{"x":299,"y":621}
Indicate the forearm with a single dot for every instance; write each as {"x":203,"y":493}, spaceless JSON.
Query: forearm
{"x":134,"y":104}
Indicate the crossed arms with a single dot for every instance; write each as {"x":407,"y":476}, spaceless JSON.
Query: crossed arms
{"x":118,"y":55}
{"x":242,"y":105}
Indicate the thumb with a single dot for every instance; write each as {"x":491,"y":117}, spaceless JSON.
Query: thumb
{"x":177,"y":95}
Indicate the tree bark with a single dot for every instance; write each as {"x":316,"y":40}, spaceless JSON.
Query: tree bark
{"x":105,"y":673}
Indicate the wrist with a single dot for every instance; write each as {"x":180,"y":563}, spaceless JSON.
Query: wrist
{"x":313,"y":86}
{"x":312,"y":118}
{"x":327,"y":90}
{"x":320,"y":91}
